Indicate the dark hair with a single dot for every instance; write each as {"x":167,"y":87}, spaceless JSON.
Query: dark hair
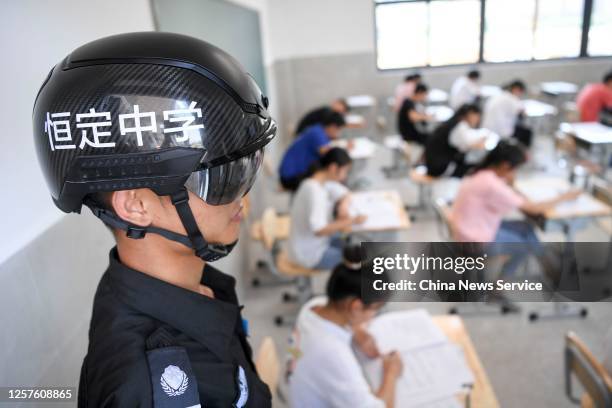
{"x":517,"y":83}
{"x":346,"y":279}
{"x":608,"y":77}
{"x":420,"y":88}
{"x":473,"y":74}
{"x":332,"y":118}
{"x":505,"y":152}
{"x":458,"y":116}
{"x":412,"y":77}
{"x":335,"y":155}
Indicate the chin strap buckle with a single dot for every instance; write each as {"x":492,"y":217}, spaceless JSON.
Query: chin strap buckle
{"x":136,"y":232}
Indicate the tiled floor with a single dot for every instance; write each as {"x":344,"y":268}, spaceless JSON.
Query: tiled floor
{"x":523,"y":360}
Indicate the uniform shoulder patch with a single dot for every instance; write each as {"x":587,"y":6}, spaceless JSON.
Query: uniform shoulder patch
{"x":172,"y":379}
{"x":243,"y":388}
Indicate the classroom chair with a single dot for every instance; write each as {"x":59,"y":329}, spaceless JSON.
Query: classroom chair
{"x":268,"y":365}
{"x":442,"y":210}
{"x":270,"y":219}
{"x":273,"y":229}
{"x":424,"y":182}
{"x":581,"y":364}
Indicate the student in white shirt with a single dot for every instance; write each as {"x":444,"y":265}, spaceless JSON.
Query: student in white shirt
{"x":465,"y":89}
{"x":325,"y":371}
{"x":458,"y":144}
{"x":503,"y":113}
{"x":314,"y":240}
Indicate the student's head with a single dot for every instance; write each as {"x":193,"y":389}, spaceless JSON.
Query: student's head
{"x":473,"y":75}
{"x":344,"y":289}
{"x":333,"y":122}
{"x":504,"y":159}
{"x":166,"y":177}
{"x":336,"y":163}
{"x":470,"y":113}
{"x":340,"y":105}
{"x":607,"y":79}
{"x":516,"y":88}
{"x":420,"y":93}
{"x":414,"y":77}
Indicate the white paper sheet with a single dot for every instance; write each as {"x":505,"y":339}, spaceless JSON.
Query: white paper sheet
{"x":406,"y":330}
{"x":381,"y":213}
{"x":363,"y":147}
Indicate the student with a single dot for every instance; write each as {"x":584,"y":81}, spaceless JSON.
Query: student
{"x":308,"y":148}
{"x":595,"y":98}
{"x":457,"y":142}
{"x":314,"y":240}
{"x":465,"y":90}
{"x":503,"y":113}
{"x":405,"y":90}
{"x":166,"y":328}
{"x":487,"y":196}
{"x":317,"y":116}
{"x":410,"y":119}
{"x":328,"y":331}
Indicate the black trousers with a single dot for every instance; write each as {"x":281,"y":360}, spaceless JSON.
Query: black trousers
{"x":292,"y":183}
{"x":523,"y":134}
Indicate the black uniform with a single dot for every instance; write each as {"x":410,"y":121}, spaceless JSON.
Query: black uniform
{"x":407,"y":128}
{"x":150,"y":341}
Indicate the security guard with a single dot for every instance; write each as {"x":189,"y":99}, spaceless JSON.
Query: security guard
{"x":160,"y":135}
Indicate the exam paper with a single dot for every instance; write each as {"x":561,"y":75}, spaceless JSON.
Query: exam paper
{"x":430,"y":375}
{"x":362,"y":147}
{"x":406,"y":330}
{"x":381,"y":213}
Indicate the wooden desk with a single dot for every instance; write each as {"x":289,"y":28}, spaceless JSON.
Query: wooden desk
{"x":482,"y":395}
{"x":556,"y":88}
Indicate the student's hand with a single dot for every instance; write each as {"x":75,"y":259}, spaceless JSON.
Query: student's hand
{"x":342,"y":209}
{"x":360,"y":219}
{"x":392,"y":364}
{"x":365,"y":342}
{"x":570,"y":195}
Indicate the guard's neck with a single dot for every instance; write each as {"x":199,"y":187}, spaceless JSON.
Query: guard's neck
{"x":167,"y":261}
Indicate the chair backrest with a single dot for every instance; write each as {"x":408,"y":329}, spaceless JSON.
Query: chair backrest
{"x":272,"y":227}
{"x":602,"y":190}
{"x":591,"y":374}
{"x":267,"y":364}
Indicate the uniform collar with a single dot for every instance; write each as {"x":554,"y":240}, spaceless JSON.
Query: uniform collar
{"x":209,"y":321}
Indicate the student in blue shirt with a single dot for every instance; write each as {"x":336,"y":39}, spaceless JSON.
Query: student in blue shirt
{"x":307,"y":148}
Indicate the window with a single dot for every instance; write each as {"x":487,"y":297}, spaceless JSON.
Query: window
{"x":600,"y":31}
{"x":415,"y":33}
{"x":420,"y":33}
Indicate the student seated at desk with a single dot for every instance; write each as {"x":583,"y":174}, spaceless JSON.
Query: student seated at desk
{"x":487,"y":196}
{"x":307,"y":149}
{"x":410,"y":119}
{"x":405,"y":90}
{"x":325,"y":371}
{"x":503,"y":113}
{"x":456,"y":145}
{"x":316,"y":116}
{"x":314,"y":240}
{"x":595,"y":98}
{"x":465,"y":89}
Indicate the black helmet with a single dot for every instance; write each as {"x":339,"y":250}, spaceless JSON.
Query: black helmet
{"x":150,"y":110}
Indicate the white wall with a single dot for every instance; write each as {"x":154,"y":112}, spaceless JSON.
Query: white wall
{"x":34,"y":36}
{"x":320,"y":27}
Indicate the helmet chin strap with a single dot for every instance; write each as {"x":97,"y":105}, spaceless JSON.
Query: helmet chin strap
{"x":194,"y":239}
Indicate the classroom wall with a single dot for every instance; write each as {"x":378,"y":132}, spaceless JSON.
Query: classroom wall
{"x":50,"y":262}
{"x":315,"y":41}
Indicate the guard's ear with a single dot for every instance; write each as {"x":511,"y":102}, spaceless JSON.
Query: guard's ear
{"x":132,"y":206}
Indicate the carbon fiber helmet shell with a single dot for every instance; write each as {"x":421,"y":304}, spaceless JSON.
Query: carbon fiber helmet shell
{"x":144,"y":110}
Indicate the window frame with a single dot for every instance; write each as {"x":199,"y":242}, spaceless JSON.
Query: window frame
{"x":583,"y":52}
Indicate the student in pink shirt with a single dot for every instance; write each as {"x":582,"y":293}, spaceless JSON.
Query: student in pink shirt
{"x":486,"y":197}
{"x":594,"y":98}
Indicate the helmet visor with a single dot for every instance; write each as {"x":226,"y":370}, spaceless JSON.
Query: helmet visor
{"x":227,"y":182}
